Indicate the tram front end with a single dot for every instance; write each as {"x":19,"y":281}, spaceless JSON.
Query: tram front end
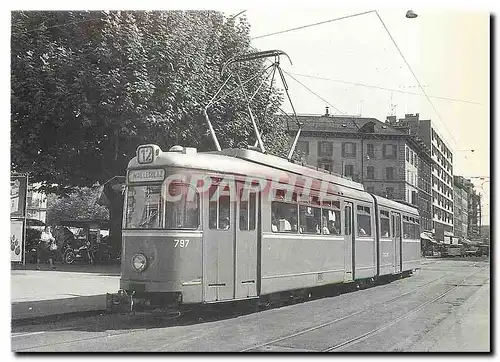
{"x":161,"y":261}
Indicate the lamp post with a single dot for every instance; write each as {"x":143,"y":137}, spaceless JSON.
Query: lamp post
{"x":410,"y":14}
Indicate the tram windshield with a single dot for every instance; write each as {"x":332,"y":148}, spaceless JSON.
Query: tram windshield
{"x":149,"y":208}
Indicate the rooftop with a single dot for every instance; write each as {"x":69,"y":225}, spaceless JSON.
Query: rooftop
{"x":342,"y":124}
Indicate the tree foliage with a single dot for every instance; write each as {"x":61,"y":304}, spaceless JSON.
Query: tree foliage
{"x":81,"y":204}
{"x":88,"y":87}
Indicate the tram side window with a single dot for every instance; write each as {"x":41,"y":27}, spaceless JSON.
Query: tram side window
{"x":182,"y":210}
{"x":247,"y":211}
{"x":417,"y":229}
{"x":144,"y":207}
{"x":283,"y":217}
{"x":364,"y":221}
{"x":310,"y":219}
{"x":219,"y":216}
{"x":384,"y":224}
{"x":407,"y":228}
{"x":331,"y":219}
{"x":413,"y":228}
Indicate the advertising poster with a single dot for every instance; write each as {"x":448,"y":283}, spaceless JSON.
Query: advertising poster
{"x":18,"y":191}
{"x":16,"y":240}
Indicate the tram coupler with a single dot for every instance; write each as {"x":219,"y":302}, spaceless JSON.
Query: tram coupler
{"x":121,"y":302}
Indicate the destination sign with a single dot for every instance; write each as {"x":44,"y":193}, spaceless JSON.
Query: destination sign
{"x":146,"y":175}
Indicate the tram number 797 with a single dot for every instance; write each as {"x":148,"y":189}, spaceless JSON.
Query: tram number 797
{"x":183,"y":243}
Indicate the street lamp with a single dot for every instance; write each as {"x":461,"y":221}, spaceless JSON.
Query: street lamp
{"x":410,"y":14}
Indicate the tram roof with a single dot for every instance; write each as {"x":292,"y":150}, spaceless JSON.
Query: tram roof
{"x":242,"y":162}
{"x":395,"y":205}
{"x":285,"y":165}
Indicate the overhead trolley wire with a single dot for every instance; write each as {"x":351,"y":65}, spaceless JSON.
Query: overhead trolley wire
{"x":383,"y":88}
{"x":317,"y":95}
{"x":414,"y":75}
{"x":311,"y":25}
{"x":393,"y":41}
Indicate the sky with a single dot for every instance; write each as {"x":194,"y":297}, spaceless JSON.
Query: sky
{"x":447,"y":51}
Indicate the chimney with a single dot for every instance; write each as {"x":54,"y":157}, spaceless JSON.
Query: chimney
{"x":391,"y":120}
{"x":327,"y":114}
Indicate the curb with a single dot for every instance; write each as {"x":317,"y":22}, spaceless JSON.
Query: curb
{"x":55,"y":307}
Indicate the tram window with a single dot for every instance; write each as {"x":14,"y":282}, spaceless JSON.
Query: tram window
{"x":283,"y":217}
{"x":384,"y":224}
{"x":310,"y":219}
{"x":184,"y":212}
{"x":364,"y":221}
{"x":397,"y":224}
{"x":219,"y":216}
{"x":247,"y":212}
{"x":406,"y":229}
{"x":144,"y":207}
{"x":331,"y":220}
{"x":348,"y":220}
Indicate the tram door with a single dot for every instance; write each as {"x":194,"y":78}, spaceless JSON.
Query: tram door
{"x":349,"y":247}
{"x":397,"y":241}
{"x":218,"y":245}
{"x":246,"y":231}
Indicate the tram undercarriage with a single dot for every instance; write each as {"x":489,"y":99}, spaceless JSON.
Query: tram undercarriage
{"x":170,"y":303}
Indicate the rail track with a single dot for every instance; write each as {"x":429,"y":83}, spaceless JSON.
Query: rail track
{"x":376,"y":330}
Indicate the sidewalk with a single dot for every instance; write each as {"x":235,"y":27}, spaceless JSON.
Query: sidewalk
{"x":69,"y":289}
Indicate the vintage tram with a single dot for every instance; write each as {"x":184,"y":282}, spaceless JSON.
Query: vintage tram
{"x":238,"y":224}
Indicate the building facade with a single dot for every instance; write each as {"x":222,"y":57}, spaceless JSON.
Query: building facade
{"x":385,"y":160}
{"x":474,"y":217}
{"x":441,"y":172}
{"x":36,"y":205}
{"x":461,"y":211}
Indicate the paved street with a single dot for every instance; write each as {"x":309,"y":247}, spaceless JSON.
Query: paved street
{"x":445,"y":307}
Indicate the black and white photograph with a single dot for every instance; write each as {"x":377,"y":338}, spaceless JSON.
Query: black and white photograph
{"x":247,"y":178}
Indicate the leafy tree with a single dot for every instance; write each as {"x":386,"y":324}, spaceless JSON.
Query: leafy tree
{"x":88,"y":87}
{"x":81,"y":204}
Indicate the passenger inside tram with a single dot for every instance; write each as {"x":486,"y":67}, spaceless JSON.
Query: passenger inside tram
{"x":333,"y":228}
{"x":326,"y":230}
{"x":274,"y":223}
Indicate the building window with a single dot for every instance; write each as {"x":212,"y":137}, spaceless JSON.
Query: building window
{"x":325,"y":148}
{"x":325,"y":165}
{"x":303,"y":147}
{"x":407,"y":154}
{"x":414,"y":197}
{"x":390,"y":151}
{"x":389,"y":173}
{"x":370,"y":172}
{"x":389,"y":191}
{"x":348,"y":149}
{"x":349,"y":170}
{"x":370,"y":151}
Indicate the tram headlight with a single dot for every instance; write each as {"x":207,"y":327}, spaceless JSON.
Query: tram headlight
{"x":139,"y":262}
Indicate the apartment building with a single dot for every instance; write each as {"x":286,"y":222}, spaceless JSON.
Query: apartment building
{"x":441,"y":171}
{"x":385,"y":160}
